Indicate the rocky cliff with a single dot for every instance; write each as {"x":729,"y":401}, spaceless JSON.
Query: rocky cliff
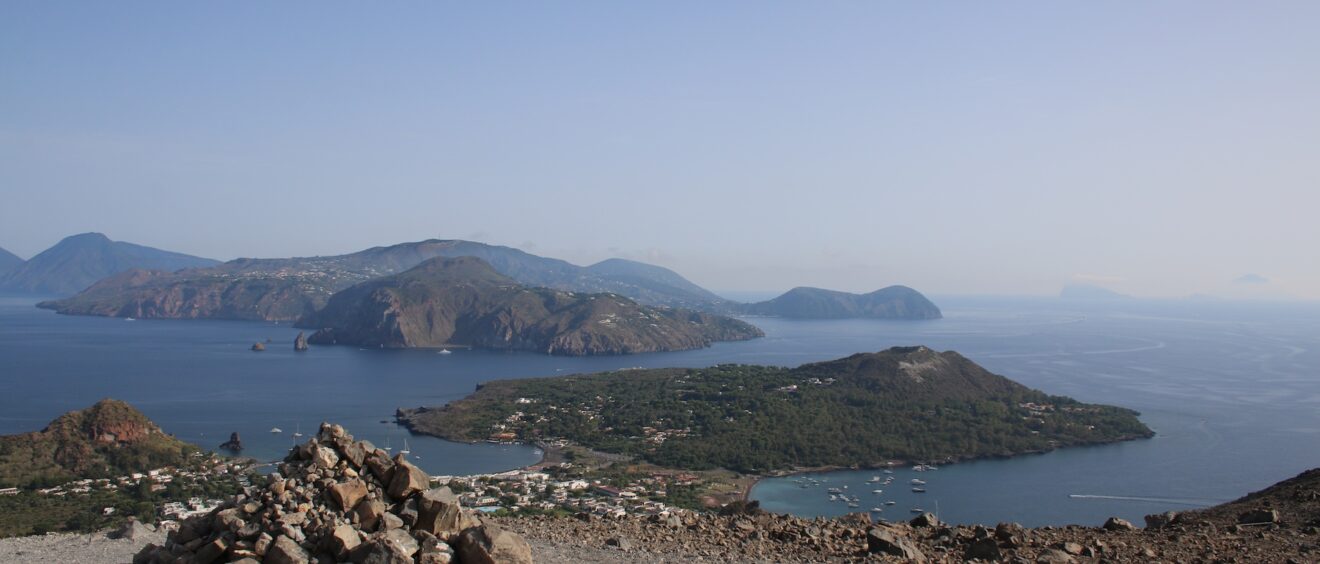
{"x":107,"y":439}
{"x":893,"y":302}
{"x":334,"y":499}
{"x":464,"y":302}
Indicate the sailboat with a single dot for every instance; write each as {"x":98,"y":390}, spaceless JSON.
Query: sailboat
{"x":444,"y":351}
{"x":297,"y":432}
{"x":388,"y":448}
{"x":276,"y":430}
{"x":405,"y":447}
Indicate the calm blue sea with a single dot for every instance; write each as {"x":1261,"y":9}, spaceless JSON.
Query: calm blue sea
{"x":1233,"y":391}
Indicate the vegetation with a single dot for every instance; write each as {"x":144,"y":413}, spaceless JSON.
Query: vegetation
{"x":32,"y":513}
{"x":904,"y":404}
{"x":108,"y":439}
{"x":893,"y":302}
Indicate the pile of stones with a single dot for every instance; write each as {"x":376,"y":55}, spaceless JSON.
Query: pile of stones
{"x":334,"y":499}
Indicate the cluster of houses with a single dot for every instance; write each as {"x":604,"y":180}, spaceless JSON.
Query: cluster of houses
{"x":157,"y":480}
{"x":527,"y":489}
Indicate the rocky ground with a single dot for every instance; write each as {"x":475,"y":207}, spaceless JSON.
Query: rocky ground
{"x":1278,"y":524}
{"x":337,"y":500}
{"x":65,"y":547}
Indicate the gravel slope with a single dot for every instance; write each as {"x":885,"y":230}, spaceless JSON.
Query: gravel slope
{"x":95,"y":548}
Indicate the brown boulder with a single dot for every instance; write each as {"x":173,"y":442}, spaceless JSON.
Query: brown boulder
{"x":439,"y":513}
{"x":488,"y":544}
{"x":285,"y":551}
{"x":407,"y":480}
{"x":348,"y":494}
{"x":881,"y":541}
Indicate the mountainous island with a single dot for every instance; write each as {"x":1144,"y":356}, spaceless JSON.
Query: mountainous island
{"x":8,"y":262}
{"x":293,"y":288}
{"x":893,"y":302}
{"x":902,"y":404}
{"x":78,"y":261}
{"x":464,"y":301}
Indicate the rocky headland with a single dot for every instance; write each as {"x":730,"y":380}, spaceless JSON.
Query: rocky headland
{"x":464,"y":301}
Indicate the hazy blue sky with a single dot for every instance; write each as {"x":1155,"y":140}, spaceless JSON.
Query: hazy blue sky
{"x":1157,"y":148}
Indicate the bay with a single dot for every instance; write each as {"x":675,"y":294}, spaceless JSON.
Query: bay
{"x":1233,"y":391}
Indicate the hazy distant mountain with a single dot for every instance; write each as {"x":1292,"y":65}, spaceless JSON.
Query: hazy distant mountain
{"x":289,"y":289}
{"x":1089,"y":292}
{"x":462,"y":301}
{"x":78,"y":261}
{"x":893,"y":302}
{"x":651,"y":278}
{"x":8,"y":261}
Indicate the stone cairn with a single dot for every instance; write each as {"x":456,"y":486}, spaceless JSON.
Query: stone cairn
{"x":339,"y":500}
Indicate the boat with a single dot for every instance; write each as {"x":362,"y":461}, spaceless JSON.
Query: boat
{"x":877,"y":492}
{"x":889,"y":471}
{"x":834,"y":497}
{"x":919,"y":490}
{"x":834,"y":491}
{"x":297,"y":432}
{"x":917,"y":510}
{"x":276,"y":430}
{"x":388,"y":448}
{"x":917,"y":482}
{"x":873,"y":480}
{"x":129,"y":319}
{"x":854,"y":504}
{"x":890,"y":502}
{"x":405,"y":450}
{"x":877,"y":510}
{"x":444,"y":351}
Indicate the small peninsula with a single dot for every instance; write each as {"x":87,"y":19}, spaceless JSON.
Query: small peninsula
{"x":892,"y":302}
{"x":463,"y":301}
{"x":902,"y":404}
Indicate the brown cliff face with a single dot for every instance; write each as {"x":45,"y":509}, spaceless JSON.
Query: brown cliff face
{"x":464,"y":302}
{"x":109,"y":438}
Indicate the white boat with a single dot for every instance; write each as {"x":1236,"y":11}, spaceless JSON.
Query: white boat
{"x":918,"y":510}
{"x":877,"y":492}
{"x":297,"y":431}
{"x":276,"y":430}
{"x":129,"y":319}
{"x":405,"y":450}
{"x":873,"y":479}
{"x":919,"y":490}
{"x":444,"y":351}
{"x":917,"y":482}
{"x":890,"y":502}
{"x":834,"y":497}
{"x":889,"y":471}
{"x":877,"y":510}
{"x":388,"y":448}
{"x":854,"y":504}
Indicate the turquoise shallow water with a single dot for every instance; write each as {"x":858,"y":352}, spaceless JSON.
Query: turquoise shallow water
{"x":1233,"y":391}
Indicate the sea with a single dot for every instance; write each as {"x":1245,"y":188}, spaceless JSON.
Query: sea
{"x":1232,"y":390}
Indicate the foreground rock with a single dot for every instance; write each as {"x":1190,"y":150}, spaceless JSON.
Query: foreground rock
{"x":339,"y":500}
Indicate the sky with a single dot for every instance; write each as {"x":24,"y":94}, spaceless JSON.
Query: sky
{"x":1153,"y":148}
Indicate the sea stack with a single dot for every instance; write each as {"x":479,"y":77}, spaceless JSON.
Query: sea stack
{"x":300,"y":342}
{"x":234,"y":443}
